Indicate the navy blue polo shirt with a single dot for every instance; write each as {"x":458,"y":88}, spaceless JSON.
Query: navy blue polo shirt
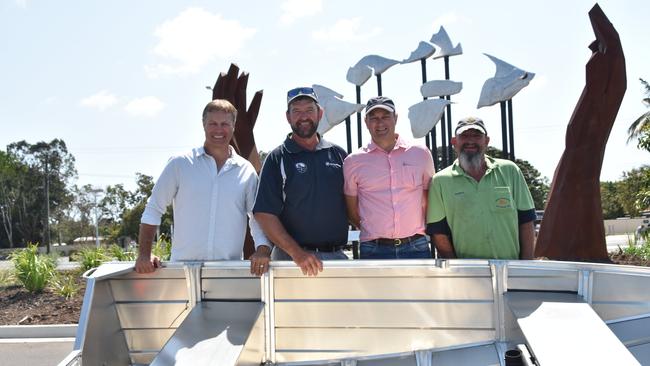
{"x":313,"y":210}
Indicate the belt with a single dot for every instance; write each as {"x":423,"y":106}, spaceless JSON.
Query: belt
{"x":323,"y":248}
{"x":397,"y":242}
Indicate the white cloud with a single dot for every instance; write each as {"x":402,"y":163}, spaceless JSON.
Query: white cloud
{"x":144,"y":107}
{"x":21,"y":3}
{"x":346,"y":30}
{"x":295,"y":9}
{"x":194,"y":38}
{"x":101,"y":100}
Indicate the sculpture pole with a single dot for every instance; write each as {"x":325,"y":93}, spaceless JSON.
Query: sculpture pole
{"x":430,"y":138}
{"x":359,"y":128}
{"x":504,"y":131}
{"x":511,"y":131}
{"x":450,"y":148}
{"x":378,"y":85}
{"x":572,"y":228}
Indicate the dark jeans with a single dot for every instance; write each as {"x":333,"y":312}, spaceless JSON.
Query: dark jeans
{"x":417,"y":249}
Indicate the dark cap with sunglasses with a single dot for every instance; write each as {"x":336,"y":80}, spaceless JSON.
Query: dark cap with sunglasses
{"x":301,"y":92}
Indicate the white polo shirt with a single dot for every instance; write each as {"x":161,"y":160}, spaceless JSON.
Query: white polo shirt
{"x":210,"y":206}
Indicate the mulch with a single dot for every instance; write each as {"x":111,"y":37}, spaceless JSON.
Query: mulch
{"x":21,"y":307}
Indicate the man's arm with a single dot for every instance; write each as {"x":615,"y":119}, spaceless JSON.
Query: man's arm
{"x":275,"y":231}
{"x":146,"y":263}
{"x":352,"y":204}
{"x":444,"y":246}
{"x":526,"y":240}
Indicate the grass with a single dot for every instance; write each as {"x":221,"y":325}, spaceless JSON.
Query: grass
{"x":636,"y":248}
{"x":7,"y":278}
{"x":90,"y":257}
{"x":65,"y":283}
{"x":33,"y":270}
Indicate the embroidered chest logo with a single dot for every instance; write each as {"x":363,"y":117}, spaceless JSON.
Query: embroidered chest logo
{"x":332,"y":165}
{"x":503,"y":202}
{"x":301,"y":167}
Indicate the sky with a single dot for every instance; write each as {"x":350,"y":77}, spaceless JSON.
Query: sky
{"x":123,"y":83}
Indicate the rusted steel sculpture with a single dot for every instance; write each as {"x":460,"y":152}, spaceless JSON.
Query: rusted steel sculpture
{"x":232,"y":87}
{"x":572,"y":228}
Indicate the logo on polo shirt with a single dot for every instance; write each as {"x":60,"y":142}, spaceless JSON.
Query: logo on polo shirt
{"x":327,"y":163}
{"x":301,"y":167}
{"x":503,"y":202}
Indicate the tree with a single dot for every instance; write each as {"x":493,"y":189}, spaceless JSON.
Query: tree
{"x":634,"y":189}
{"x":640,"y":128}
{"x":48,"y":170}
{"x":609,"y":196}
{"x":10,"y":186}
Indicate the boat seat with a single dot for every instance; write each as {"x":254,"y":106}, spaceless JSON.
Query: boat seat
{"x":562,"y":329}
{"x":214,"y":333}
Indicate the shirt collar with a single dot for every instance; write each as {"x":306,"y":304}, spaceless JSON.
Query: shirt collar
{"x":293,"y":147}
{"x":234,"y":158}
{"x":399,"y":143}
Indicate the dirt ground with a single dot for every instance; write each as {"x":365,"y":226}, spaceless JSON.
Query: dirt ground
{"x":20,"y":307}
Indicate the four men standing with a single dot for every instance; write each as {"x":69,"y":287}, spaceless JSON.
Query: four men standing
{"x":479,"y":207}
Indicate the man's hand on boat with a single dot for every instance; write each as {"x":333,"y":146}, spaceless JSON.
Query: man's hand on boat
{"x":308,"y":262}
{"x":147,"y":265}
{"x":260,"y":260}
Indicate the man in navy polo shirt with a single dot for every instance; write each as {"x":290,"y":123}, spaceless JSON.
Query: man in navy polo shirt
{"x":300,"y":203}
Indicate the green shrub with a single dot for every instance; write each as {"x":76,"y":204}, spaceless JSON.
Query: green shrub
{"x":90,"y":257}
{"x":115,"y":251}
{"x":65,"y":283}
{"x":7,"y":278}
{"x":162,"y":248}
{"x":33,"y":270}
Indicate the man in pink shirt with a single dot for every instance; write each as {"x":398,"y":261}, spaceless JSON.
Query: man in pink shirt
{"x":386,"y":187}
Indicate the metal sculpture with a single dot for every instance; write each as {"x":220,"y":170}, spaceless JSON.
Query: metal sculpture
{"x":508,"y":80}
{"x":421,"y":53}
{"x":336,"y":109}
{"x":445,"y":50}
{"x":358,"y":75}
{"x":572,"y":228}
{"x":232,"y":87}
{"x":424,"y":116}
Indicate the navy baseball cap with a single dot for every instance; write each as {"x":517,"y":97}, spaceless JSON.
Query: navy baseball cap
{"x":380,"y":102}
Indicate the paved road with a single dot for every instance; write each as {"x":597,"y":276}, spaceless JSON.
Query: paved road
{"x":34,"y":353}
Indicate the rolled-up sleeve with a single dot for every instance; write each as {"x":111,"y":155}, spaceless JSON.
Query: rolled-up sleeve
{"x":162,"y":195}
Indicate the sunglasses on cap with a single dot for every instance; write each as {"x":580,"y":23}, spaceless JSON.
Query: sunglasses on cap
{"x":301,"y":91}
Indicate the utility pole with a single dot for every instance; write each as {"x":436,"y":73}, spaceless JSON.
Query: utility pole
{"x":47,"y":203}
{"x":95,"y":192}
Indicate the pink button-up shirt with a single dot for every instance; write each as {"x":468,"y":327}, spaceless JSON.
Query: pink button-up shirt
{"x":390,"y":188}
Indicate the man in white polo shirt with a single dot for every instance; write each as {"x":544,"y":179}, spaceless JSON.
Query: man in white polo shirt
{"x":212,"y":190}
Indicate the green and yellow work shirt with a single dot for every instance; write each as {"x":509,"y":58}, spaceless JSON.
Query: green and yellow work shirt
{"x":482,"y":216}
